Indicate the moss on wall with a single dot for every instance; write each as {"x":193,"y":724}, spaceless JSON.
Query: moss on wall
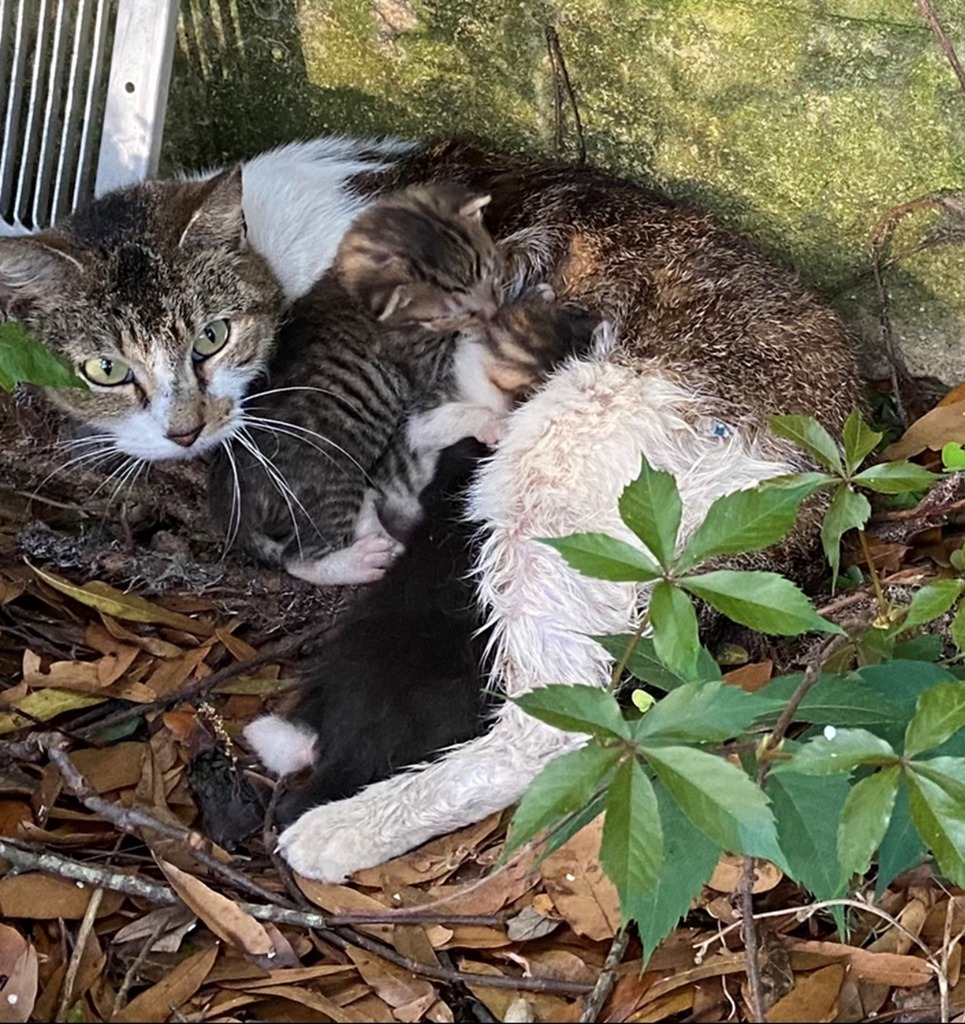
{"x":799,"y":122}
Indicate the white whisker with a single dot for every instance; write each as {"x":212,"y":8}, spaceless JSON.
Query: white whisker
{"x":282,"y":426}
{"x":94,"y":458}
{"x":234,"y":515}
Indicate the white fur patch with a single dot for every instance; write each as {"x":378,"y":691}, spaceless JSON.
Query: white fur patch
{"x":297,"y":204}
{"x":567,"y":455}
{"x":281,"y":745}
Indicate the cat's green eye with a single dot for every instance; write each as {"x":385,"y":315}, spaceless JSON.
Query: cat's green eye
{"x":107,"y":372}
{"x":211,"y":338}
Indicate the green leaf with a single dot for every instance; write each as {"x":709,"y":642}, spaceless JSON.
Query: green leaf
{"x":958,"y":627}
{"x":760,"y":600}
{"x":700,"y":713}
{"x":742,"y":521}
{"x":835,"y":700}
{"x":718,"y":799}
{"x":566,"y":785}
{"x":675,"y":636}
{"x":689,"y":858}
{"x":631,"y":850}
{"x":23,"y":360}
{"x":807,"y":810}
{"x":848,"y":510}
{"x":930,"y":601}
{"x":859,"y":440}
{"x":940,"y":713}
{"x":901,"y":848}
{"x":565,"y":831}
{"x":605,"y":558}
{"x":896,"y":477}
{"x":810,"y":482}
{"x":651,"y":507}
{"x":576,"y":709}
{"x":953,"y":456}
{"x":939,"y":817}
{"x":807,"y":433}
{"x":839,"y":751}
{"x":648,"y":668}
{"x":865,"y":818}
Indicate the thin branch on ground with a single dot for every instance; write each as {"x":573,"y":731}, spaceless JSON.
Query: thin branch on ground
{"x":593,"y":1003}
{"x":130,"y":975}
{"x":945,"y":44}
{"x":752,"y":945}
{"x":83,"y":934}
{"x":25,"y":857}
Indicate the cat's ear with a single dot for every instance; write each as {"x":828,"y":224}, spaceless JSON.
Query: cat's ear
{"x":474,"y":207}
{"x":396,"y":301}
{"x":34,"y":272}
{"x":217,"y":218}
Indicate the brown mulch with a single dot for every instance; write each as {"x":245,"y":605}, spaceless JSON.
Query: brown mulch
{"x":136,"y":829}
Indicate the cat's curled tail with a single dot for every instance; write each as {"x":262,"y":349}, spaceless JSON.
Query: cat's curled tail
{"x":566,"y":457}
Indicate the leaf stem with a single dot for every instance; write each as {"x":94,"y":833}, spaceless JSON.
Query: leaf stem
{"x":873,"y":574}
{"x":621,"y":665}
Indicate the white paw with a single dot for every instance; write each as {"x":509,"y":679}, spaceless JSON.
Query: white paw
{"x":542,"y":291}
{"x":364,"y":561}
{"x":493,"y":431}
{"x":282,"y":746}
{"x":330,"y":842}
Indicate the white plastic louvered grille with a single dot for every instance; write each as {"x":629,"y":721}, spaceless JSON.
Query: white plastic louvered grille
{"x":54,"y":63}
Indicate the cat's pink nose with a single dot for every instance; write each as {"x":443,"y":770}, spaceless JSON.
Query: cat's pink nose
{"x":186,"y":439}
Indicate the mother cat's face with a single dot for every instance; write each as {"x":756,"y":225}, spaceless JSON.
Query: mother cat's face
{"x":156,"y":301}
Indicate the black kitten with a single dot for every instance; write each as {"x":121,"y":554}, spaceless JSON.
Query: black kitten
{"x":404,"y":678}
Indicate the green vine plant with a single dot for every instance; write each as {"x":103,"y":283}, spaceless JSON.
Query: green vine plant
{"x":26,"y":361}
{"x":877,"y":766}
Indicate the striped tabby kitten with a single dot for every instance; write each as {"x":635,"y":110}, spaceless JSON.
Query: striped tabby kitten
{"x":333,"y":490}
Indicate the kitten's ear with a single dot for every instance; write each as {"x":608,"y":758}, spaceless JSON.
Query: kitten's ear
{"x":474,"y":207}
{"x":34,"y":272}
{"x":217,"y":218}
{"x":397,"y":300}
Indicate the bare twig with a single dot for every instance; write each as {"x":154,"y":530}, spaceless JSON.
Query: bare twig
{"x":747,"y":923}
{"x":130,"y":975}
{"x":944,"y":43}
{"x":593,"y":1003}
{"x":83,"y":934}
{"x":26,"y":857}
{"x":562,"y":84}
{"x":129,"y":819}
{"x":282,"y":650}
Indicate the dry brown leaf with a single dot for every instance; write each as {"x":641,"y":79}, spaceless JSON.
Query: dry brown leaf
{"x":14,"y":814}
{"x":899,"y":940}
{"x":116,"y":603}
{"x":335,"y":898}
{"x":727,"y":874}
{"x":665,"y":1007}
{"x":314,"y":1001}
{"x":223,"y":916}
{"x":117,"y":771}
{"x":45,"y":898}
{"x":580,"y":890}
{"x":236,"y":647}
{"x":434,"y":860}
{"x":750,"y":677}
{"x":529,"y":923}
{"x":886,"y":968}
{"x":490,"y":894}
{"x":169,"y":924}
{"x":814,"y":997}
{"x":288,"y":976}
{"x":934,"y":430}
{"x":171,"y":992}
{"x":152,"y":645}
{"x":18,"y":976}
{"x":395,"y":986}
{"x":498,"y":1000}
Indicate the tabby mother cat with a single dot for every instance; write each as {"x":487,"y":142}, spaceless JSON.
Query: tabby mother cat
{"x":711,"y":338}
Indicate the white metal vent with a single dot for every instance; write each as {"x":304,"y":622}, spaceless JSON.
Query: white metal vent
{"x":83,"y":84}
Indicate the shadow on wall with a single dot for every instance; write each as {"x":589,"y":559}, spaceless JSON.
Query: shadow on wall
{"x":243,"y":81}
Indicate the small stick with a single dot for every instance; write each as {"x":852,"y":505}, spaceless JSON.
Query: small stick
{"x":944,"y":43}
{"x":560,"y":73}
{"x":751,"y":939}
{"x":130,"y":975}
{"x":593,"y":1003}
{"x":83,"y":934}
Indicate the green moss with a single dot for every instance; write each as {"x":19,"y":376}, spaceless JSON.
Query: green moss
{"x":799,"y":123}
